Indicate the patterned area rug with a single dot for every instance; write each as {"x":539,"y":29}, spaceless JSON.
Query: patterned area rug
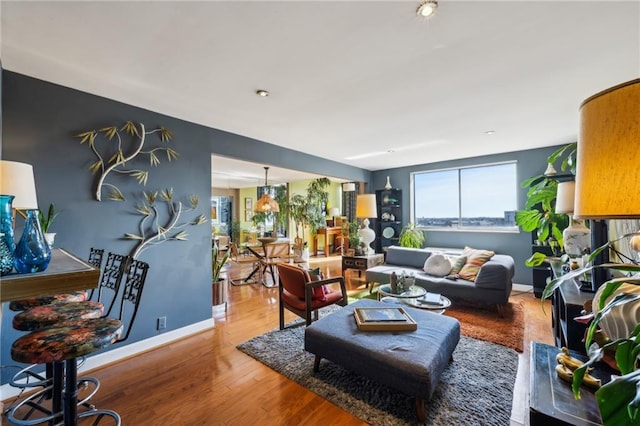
{"x":475,"y":389}
{"x":482,"y":322}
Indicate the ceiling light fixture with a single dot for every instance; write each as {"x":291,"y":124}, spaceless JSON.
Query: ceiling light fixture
{"x":489,"y":132}
{"x":262,"y":93}
{"x":266,"y":204}
{"x":427,"y":8}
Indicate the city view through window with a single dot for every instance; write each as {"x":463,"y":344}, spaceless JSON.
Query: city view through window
{"x":475,"y":197}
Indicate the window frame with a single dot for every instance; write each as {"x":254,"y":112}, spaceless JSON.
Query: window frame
{"x":458,"y":228}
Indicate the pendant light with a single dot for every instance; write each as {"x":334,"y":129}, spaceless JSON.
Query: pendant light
{"x":266,"y":204}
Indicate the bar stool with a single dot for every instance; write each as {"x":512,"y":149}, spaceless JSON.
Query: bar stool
{"x":26,"y":378}
{"x":67,"y":340}
{"x":60,"y":344}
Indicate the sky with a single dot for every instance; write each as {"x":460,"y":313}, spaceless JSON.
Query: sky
{"x":486,"y":191}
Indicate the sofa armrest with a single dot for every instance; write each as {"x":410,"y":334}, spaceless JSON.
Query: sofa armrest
{"x":497,"y":273}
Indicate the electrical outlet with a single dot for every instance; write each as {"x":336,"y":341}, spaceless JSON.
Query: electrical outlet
{"x":162,"y":323}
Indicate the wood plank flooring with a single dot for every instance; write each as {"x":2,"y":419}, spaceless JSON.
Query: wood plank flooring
{"x":204,"y":380}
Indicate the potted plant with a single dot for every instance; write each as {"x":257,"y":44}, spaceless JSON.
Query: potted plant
{"x":354,"y":238}
{"x":46,"y":222}
{"x":539,"y":211}
{"x":218,"y":284}
{"x":619,"y":399}
{"x":306,"y":210}
{"x":410,"y":236}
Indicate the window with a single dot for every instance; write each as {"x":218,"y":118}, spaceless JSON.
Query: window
{"x":479,"y":197}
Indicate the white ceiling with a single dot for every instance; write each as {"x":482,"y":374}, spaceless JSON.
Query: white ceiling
{"x":346,"y":78}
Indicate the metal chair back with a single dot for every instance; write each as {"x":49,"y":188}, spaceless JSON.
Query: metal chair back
{"x":135,"y":277}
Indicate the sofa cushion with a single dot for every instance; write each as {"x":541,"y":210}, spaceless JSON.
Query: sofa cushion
{"x":437,"y":265}
{"x":404,"y":256}
{"x":457,"y":262}
{"x":475,"y":259}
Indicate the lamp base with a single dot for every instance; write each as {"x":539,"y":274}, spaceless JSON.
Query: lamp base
{"x":577,"y":238}
{"x":367,"y":236}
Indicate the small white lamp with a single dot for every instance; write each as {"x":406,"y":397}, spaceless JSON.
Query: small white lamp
{"x":577,"y":237}
{"x":366,"y":208}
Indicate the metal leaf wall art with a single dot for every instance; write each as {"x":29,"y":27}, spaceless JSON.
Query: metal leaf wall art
{"x":151,"y":232}
{"x":123,"y":153}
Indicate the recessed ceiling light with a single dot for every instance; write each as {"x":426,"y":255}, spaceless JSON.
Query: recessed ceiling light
{"x":262,"y":93}
{"x":489,"y":132}
{"x":427,"y":8}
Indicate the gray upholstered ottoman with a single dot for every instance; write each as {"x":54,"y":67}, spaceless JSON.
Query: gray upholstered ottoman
{"x":409,"y":361}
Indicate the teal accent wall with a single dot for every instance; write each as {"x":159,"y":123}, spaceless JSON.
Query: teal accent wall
{"x":517,"y":244}
{"x":40,"y":120}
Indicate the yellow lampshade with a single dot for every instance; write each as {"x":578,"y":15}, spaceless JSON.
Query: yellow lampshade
{"x":565,"y":197}
{"x":608,"y":159}
{"x":366,"y":206}
{"x":17,"y":179}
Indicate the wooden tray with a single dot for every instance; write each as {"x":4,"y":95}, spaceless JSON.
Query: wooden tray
{"x":408,"y":324}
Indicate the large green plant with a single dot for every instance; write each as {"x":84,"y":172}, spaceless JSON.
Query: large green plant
{"x":539,"y":211}
{"x":306,"y":210}
{"x":410,"y":236}
{"x":618,"y":400}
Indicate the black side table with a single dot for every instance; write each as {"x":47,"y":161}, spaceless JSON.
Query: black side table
{"x":361,"y":263}
{"x":551,"y":399}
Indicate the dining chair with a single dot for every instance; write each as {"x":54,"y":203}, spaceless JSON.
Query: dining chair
{"x":274,"y":253}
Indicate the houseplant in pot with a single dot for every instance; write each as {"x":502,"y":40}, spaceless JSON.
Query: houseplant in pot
{"x":46,"y":222}
{"x":218,"y":284}
{"x":410,"y":236}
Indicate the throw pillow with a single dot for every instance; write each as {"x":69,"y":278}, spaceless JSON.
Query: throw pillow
{"x":475,"y":259}
{"x":457,"y":262}
{"x":319,"y":293}
{"x":437,"y":265}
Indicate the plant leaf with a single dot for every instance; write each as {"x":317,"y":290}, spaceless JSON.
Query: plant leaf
{"x":115,"y":194}
{"x":133,"y":237}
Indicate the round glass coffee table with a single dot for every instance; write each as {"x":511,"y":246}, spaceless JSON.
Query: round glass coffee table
{"x":420,"y":303}
{"x":384,"y":291}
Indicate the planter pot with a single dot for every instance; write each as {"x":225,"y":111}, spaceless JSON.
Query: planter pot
{"x":50,"y":238}
{"x":220,"y":293}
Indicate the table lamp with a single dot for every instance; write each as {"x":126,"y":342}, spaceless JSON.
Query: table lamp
{"x":366,"y":208}
{"x":608,"y":163}
{"x":18,"y":192}
{"x":576,"y":237}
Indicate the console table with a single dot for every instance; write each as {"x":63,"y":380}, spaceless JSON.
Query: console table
{"x":65,"y":273}
{"x":551,"y":399}
{"x":327,"y":232}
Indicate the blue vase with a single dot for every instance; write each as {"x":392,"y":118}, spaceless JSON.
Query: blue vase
{"x":32,"y":252}
{"x":6,"y":221}
{"x":6,"y":257}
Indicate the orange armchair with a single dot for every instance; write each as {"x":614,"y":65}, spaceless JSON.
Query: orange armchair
{"x":301,"y":295}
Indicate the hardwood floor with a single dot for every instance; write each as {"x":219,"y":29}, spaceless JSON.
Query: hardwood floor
{"x":204,"y":380}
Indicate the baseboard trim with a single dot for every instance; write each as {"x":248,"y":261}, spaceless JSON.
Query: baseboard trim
{"x":118,"y":354}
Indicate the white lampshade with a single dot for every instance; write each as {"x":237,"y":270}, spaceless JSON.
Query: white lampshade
{"x":565,"y":196}
{"x":349,"y":187}
{"x":366,"y":206}
{"x":608,"y":160}
{"x":334,"y":211}
{"x":17,"y":179}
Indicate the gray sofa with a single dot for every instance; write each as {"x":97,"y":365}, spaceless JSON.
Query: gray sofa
{"x":492,"y":285}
